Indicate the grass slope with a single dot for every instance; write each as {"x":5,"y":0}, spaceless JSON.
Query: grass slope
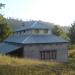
{"x":18,"y":66}
{"x":7,"y":60}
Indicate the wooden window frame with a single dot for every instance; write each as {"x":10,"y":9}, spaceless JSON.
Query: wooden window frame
{"x":47,"y":55}
{"x":37,"y":31}
{"x":45,"y":31}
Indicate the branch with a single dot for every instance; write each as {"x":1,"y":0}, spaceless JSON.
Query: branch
{"x":2,"y":5}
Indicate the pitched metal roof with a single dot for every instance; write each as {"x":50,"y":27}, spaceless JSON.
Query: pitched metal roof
{"x":39,"y":25}
{"x":11,"y":43}
{"x":30,"y":39}
{"x":6,"y":47}
{"x":34,"y":25}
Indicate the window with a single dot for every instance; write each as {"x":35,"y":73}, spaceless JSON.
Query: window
{"x":46,"y":31}
{"x":40,"y":31}
{"x":20,"y":32}
{"x":16,"y":32}
{"x":46,"y":55}
{"x":24,"y":31}
{"x":36,"y":31}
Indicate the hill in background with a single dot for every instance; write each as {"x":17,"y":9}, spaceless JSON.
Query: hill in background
{"x":17,"y":24}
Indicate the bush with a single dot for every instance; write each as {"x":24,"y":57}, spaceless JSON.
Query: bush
{"x":71,"y":46}
{"x":72,"y":55}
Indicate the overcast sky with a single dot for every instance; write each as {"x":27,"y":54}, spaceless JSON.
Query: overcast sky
{"x":61,"y":12}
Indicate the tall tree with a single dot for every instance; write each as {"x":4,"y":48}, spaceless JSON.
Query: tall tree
{"x":57,"y":30}
{"x":72,"y":33}
{"x":4,"y":28}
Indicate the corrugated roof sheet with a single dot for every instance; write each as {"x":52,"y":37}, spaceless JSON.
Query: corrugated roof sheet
{"x":6,"y":47}
{"x":39,"y":25}
{"x":17,"y":38}
{"x":29,"y":39}
{"x":34,"y":25}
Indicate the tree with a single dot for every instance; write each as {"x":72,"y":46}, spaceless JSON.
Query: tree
{"x":1,"y":5}
{"x":5,"y":30}
{"x":4,"y":26}
{"x":58,"y":31}
{"x":72,"y":33}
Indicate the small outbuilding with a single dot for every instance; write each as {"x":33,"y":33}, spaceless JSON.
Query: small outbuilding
{"x":35,"y":41}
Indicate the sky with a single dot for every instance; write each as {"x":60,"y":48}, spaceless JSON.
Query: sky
{"x":60,"y":12}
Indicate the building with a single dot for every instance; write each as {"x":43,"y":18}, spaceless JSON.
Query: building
{"x":35,"y":41}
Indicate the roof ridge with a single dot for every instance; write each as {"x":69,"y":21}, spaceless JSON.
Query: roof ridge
{"x":34,"y":24}
{"x":26,"y":39}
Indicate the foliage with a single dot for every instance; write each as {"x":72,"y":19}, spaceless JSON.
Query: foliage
{"x":15,"y":23}
{"x":1,"y":5}
{"x":4,"y":26}
{"x":72,"y":55}
{"x":57,"y":30}
{"x":72,"y":33}
{"x":71,"y":46}
{"x":5,"y":30}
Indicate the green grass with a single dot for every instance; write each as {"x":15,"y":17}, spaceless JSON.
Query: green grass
{"x":7,"y":60}
{"x":18,"y":66}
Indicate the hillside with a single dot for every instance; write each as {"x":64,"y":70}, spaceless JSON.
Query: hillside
{"x":17,"y":24}
{"x":19,"y":66}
